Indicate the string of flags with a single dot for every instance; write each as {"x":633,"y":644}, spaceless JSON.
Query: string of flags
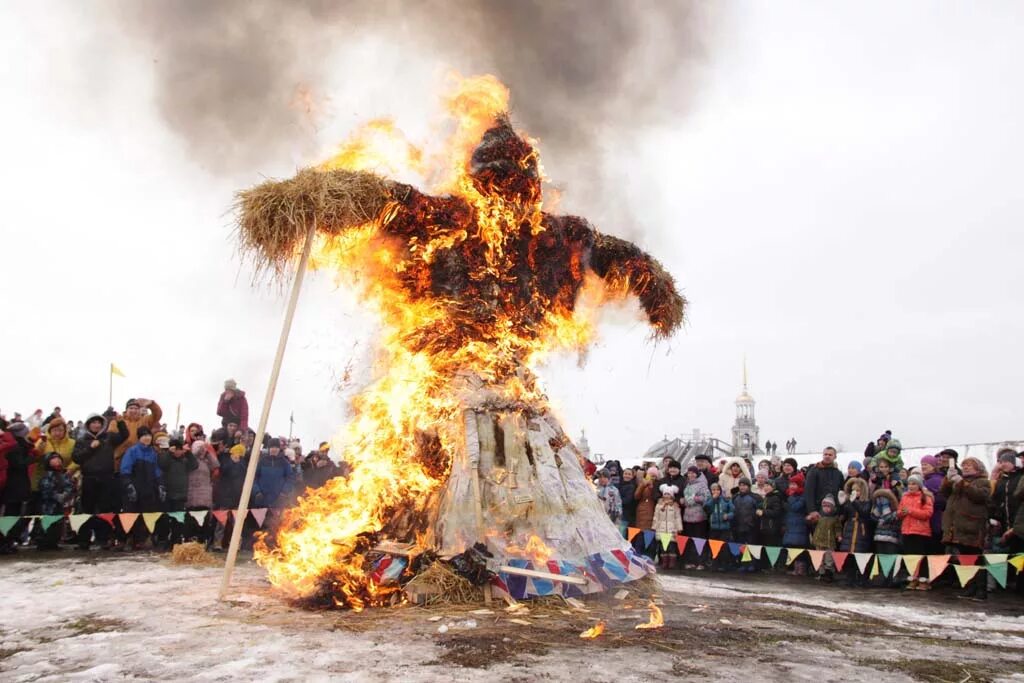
{"x":873,"y":564}
{"x":128,"y":520}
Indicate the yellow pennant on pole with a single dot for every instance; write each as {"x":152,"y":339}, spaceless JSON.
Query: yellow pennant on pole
{"x":114,"y":370}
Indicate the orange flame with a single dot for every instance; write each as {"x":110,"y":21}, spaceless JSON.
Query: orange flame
{"x":594,"y":631}
{"x":656,"y":620}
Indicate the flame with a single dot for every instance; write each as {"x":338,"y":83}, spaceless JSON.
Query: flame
{"x":535,"y":550}
{"x":656,"y":620}
{"x":594,"y":631}
{"x":405,"y":428}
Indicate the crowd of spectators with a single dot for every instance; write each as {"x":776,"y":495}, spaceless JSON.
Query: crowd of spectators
{"x":131,"y":462}
{"x":943,"y":508}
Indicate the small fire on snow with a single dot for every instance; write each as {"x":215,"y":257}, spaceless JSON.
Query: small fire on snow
{"x":656,"y":621}
{"x":594,"y":631}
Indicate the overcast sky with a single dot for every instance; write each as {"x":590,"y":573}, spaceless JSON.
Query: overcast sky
{"x":841,"y":202}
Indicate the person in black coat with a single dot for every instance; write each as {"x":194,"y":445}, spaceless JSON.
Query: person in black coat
{"x":822,"y":479}
{"x":101,"y":493}
{"x":317,"y":468}
{"x":673,"y":477}
{"x":627,"y":492}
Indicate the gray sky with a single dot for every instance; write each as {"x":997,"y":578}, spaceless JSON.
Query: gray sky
{"x":841,"y":201}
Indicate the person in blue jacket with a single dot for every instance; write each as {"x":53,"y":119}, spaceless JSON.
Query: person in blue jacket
{"x":142,"y":481}
{"x":274,"y":477}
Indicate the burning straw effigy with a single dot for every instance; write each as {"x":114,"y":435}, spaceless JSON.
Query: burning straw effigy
{"x":460,"y":470}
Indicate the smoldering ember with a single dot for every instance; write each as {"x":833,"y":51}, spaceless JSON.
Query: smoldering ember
{"x":456,"y":380}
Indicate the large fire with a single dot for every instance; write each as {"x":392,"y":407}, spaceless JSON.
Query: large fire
{"x":473,"y":287}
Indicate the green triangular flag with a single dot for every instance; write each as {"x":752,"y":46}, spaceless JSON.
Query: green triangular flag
{"x":773,"y":553}
{"x":887,"y":562}
{"x":178,"y":516}
{"x":48,"y":520}
{"x":665,"y":540}
{"x":7,"y":523}
{"x":77,"y":521}
{"x":998,"y":572}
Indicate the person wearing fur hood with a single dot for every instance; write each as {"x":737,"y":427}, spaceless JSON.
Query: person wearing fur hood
{"x":855,"y":505}
{"x":667,"y":520}
{"x":734,"y":470}
{"x":965,"y":520}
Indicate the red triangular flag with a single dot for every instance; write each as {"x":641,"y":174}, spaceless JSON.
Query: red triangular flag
{"x":716,"y":547}
{"x":839,"y":558}
{"x":221,"y":516}
{"x":259,"y":514}
{"x":631,"y":533}
{"x":967,"y":560}
{"x":107,"y":517}
{"x":681,"y":542}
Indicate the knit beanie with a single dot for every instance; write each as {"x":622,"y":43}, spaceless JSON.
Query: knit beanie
{"x":1007,"y":455}
{"x":238,"y":449}
{"x":930,"y":460}
{"x":855,"y":465}
{"x":143,"y":431}
{"x":744,"y":480}
{"x":916,"y":479}
{"x":828,"y":500}
{"x":792,"y":463}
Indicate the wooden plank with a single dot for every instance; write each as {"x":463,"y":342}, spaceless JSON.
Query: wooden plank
{"x":533,"y":573}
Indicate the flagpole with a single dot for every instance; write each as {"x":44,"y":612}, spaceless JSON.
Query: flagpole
{"x":110,"y":392}
{"x":275,"y":371}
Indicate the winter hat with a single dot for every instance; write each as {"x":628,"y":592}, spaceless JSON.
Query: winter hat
{"x":673,"y":463}
{"x":129,"y":403}
{"x":885,"y":436}
{"x":828,"y":500}
{"x":798,"y":481}
{"x":702,"y":456}
{"x":1007,"y":455}
{"x":894,"y":445}
{"x":693,"y":468}
{"x":744,"y":480}
{"x":668,"y":490}
{"x":95,"y":418}
{"x":600,"y":473}
{"x":51,"y":457}
{"x":220,"y":435}
{"x":855,"y":465}
{"x":653,"y":471}
{"x":55,"y":422}
{"x":950,"y":453}
{"x":162,"y":440}
{"x":19,"y":429}
{"x":230,"y":385}
{"x":792,"y":463}
{"x":916,"y":479}
{"x":175,"y":443}
{"x":143,"y":431}
{"x":930,"y":460}
{"x":237,"y":450}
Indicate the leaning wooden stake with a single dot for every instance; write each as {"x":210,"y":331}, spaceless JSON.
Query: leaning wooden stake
{"x":275,"y":371}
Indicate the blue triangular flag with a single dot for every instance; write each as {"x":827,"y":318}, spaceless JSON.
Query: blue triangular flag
{"x":648,"y":537}
{"x":736,"y":548}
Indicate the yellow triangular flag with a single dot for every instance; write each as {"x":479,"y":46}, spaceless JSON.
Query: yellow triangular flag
{"x":150,"y":519}
{"x":912,"y":563}
{"x":965,"y":574}
{"x":665,"y":540}
{"x":114,"y":370}
{"x":746,"y":556}
{"x":792,"y":554}
{"x":1017,"y":562}
{"x":874,"y":568}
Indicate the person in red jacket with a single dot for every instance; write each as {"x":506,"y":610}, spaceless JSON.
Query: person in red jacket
{"x":233,"y":406}
{"x":915,"y":514}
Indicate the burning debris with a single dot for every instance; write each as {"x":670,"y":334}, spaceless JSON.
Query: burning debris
{"x":455,"y":452}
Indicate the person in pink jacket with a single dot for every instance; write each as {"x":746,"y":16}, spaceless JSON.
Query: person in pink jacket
{"x":915,"y":514}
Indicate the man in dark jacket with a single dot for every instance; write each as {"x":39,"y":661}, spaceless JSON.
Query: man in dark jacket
{"x":176,"y":463}
{"x":703,"y":463}
{"x":94,"y":454}
{"x":1004,"y":503}
{"x":274,"y":475}
{"x":317,"y":468}
{"x":822,"y":479}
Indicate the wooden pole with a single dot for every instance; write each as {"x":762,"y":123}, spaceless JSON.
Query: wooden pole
{"x":110,"y":392}
{"x":275,"y":371}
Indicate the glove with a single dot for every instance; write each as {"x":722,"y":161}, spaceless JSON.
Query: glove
{"x":161,"y":492}
{"x":841,"y":497}
{"x":130,"y":494}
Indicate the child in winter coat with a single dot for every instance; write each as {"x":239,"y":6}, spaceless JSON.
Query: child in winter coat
{"x":827,"y":531}
{"x":885,"y":478}
{"x":608,"y":494}
{"x":719,"y":510}
{"x":855,"y":505}
{"x":795,"y":521}
{"x":142,"y":480}
{"x":887,"y":525}
{"x":915,"y":513}
{"x":770,"y":519}
{"x":667,"y":520}
{"x":746,"y":523}
{"x":55,"y":492}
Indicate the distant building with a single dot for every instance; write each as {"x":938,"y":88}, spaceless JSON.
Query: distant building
{"x":746,"y":436}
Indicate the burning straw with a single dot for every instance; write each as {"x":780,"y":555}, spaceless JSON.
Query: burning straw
{"x":275,"y":216}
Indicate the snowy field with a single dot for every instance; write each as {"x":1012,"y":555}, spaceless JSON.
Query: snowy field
{"x":100,"y":618}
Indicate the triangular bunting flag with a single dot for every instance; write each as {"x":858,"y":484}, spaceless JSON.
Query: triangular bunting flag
{"x":967,"y":560}
{"x":1018,"y":563}
{"x":631,"y":533}
{"x":107,"y":517}
{"x":839,"y":559}
{"x":773,"y":552}
{"x":681,"y":542}
{"x":912,"y":563}
{"x":716,"y":547}
{"x":816,"y":557}
{"x":755,"y":551}
{"x":995,"y":558}
{"x":259,"y":514}
{"x":874,"y":568}
{"x":863,"y":559}
{"x":792,"y":554}
{"x":198,"y":515}
{"x":150,"y":519}
{"x":746,"y":556}
{"x":664,"y":538}
{"x":966,"y":572}
{"x":128,"y":520}
{"x":77,"y":521}
{"x":887,"y":563}
{"x":7,"y":523}
{"x":936,"y":565}
{"x":736,"y":549}
{"x":48,"y":520}
{"x":698,"y":545}
{"x":222,"y":517}
{"x":178,"y":516}
{"x":998,"y":572}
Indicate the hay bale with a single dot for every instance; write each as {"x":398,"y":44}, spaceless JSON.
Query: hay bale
{"x":274,"y":217}
{"x":438,"y":584}
{"x":194,"y":554}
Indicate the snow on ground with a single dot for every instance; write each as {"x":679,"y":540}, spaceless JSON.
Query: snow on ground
{"x":97,"y":617}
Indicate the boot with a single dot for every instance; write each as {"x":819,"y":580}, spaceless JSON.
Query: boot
{"x":970,"y":592}
{"x":913,"y":585}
